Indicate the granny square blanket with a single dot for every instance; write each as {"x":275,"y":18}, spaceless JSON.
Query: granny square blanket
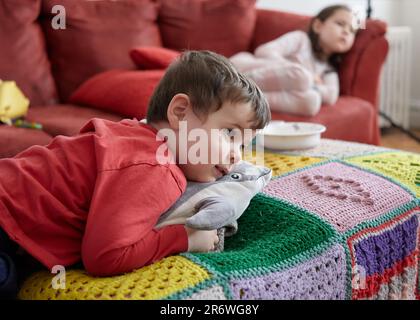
{"x":339,"y":221}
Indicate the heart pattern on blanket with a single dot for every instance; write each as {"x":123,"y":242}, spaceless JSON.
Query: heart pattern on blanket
{"x":340,"y":188}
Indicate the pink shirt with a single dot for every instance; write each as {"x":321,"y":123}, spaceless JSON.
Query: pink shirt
{"x":296,"y":46}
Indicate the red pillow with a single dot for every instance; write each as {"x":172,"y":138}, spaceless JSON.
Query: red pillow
{"x":119,"y":91}
{"x":147,"y":58}
{"x":97,"y":37}
{"x":223,"y":26}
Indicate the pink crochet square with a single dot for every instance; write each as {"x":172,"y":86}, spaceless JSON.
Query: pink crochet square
{"x":343,"y":195}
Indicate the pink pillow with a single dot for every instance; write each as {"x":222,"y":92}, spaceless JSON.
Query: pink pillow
{"x":223,"y":26}
{"x":120,"y":91}
{"x":147,"y":58}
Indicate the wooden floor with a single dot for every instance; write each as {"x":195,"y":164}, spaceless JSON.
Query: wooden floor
{"x":394,"y":138}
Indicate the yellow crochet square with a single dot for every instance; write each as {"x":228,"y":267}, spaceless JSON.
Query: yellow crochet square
{"x":401,"y":166}
{"x":156,"y":281}
{"x":280,"y":163}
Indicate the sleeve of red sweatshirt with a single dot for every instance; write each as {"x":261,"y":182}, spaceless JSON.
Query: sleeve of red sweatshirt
{"x":125,"y":207}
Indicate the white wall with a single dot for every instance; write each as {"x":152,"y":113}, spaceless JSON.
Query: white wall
{"x":394,"y":12}
{"x":383,"y":9}
{"x":410,"y":16}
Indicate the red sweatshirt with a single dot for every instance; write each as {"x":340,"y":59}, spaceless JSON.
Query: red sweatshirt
{"x":94,"y":197}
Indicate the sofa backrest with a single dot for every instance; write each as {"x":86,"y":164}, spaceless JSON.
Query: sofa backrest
{"x":49,"y":64}
{"x":223,"y":26}
{"x":98,"y":37}
{"x":100,"y":34}
{"x":272,"y":24}
{"x":23,"y":56}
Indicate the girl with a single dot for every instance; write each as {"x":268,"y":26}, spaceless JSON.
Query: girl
{"x":298,"y":71}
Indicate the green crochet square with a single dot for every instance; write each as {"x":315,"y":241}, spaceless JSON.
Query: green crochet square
{"x":403,"y":167}
{"x":272,"y":235}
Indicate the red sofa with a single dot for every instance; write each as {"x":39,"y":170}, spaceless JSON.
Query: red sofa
{"x":49,"y":64}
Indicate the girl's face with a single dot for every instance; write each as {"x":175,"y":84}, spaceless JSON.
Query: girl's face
{"x":336,"y":34}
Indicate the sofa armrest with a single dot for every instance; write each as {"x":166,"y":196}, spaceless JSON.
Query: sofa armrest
{"x":361,"y":68}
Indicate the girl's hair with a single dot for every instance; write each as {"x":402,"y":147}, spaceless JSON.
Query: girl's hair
{"x":325,"y":13}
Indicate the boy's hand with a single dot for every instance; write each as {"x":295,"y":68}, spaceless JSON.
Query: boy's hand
{"x":201,"y":240}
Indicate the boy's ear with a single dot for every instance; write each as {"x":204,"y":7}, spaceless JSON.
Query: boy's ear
{"x":317,"y":25}
{"x":177,"y":109}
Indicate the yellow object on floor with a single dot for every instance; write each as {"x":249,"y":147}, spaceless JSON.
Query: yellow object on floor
{"x":13,"y":103}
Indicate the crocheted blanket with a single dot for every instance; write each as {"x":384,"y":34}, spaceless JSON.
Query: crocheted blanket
{"x":340,"y":221}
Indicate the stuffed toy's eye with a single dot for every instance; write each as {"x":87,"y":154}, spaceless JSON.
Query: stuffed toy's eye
{"x":235,"y":176}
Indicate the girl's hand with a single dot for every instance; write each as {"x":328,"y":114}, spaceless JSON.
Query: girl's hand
{"x":318,"y":80}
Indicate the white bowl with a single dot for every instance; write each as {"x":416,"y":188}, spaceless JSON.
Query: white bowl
{"x":281,"y":135}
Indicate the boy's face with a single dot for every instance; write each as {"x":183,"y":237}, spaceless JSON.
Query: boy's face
{"x":214,"y":144}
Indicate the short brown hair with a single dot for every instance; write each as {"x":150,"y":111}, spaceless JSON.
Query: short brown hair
{"x":209,"y":80}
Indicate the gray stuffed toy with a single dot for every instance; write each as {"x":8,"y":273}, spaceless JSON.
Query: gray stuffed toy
{"x":218,"y":205}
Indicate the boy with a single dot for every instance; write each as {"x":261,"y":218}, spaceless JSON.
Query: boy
{"x":96,"y":197}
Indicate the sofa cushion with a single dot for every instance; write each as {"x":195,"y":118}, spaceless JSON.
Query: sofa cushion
{"x":350,"y":119}
{"x":66,"y":119}
{"x":223,"y":26}
{"x":98,"y":37}
{"x":147,"y":58}
{"x":272,"y":24}
{"x":14,"y":140}
{"x":119,"y":91}
{"x":23,"y":57}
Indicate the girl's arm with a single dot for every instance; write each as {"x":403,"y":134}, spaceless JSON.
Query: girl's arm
{"x":329,"y":88}
{"x":282,"y":47}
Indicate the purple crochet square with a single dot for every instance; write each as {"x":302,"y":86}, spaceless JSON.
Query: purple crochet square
{"x":343,"y":195}
{"x":385,"y":247}
{"x":321,"y":278}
